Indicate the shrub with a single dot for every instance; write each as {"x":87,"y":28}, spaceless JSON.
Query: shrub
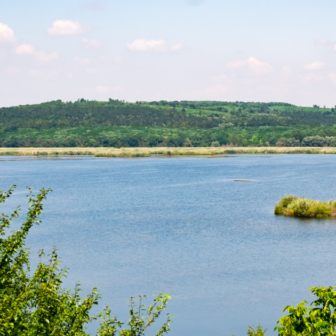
{"x":301,"y":207}
{"x":316,"y":320}
{"x":313,"y":141}
{"x":259,"y":331}
{"x":215,"y":144}
{"x":283,"y":204}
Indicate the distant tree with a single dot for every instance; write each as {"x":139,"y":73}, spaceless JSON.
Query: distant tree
{"x":313,"y":141}
{"x":215,"y":144}
{"x":187,"y":143}
{"x":11,"y":129}
{"x":298,"y":134}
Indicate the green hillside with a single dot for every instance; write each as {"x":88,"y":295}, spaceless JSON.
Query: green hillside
{"x":117,"y":123}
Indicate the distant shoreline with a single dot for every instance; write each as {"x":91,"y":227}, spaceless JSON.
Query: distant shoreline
{"x":165,"y":151}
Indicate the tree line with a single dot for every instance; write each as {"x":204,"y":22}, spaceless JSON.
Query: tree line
{"x":116,"y":123}
{"x":58,"y":114}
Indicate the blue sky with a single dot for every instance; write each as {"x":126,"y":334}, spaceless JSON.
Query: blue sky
{"x":242,"y":50}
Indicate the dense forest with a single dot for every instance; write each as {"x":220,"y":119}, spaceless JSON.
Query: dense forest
{"x":117,"y":123}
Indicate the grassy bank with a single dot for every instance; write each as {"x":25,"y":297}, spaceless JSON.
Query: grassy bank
{"x":292,"y":206}
{"x":167,"y":151}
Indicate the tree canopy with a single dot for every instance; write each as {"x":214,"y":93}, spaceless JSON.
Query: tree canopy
{"x":117,"y":123}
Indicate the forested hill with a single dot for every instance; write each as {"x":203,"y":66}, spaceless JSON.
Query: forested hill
{"x":117,"y":123}
{"x":92,"y":113}
{"x":162,"y":114}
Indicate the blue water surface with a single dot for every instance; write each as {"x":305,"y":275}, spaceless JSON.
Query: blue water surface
{"x":183,"y":226}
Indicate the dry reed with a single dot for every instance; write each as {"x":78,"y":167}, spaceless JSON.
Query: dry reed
{"x":166,"y":151}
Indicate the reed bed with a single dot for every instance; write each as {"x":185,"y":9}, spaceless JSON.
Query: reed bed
{"x":165,"y":151}
{"x":292,"y":206}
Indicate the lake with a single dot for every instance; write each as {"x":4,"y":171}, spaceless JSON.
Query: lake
{"x":183,"y":226}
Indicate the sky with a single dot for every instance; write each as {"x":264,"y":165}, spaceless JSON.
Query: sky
{"x":145,"y":50}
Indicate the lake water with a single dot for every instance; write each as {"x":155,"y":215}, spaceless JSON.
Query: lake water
{"x":183,"y":226}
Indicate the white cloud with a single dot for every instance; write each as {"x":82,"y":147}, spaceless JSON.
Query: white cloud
{"x":25,"y":49}
{"x":259,"y":67}
{"x":147,"y":45}
{"x":91,"y":44}
{"x":82,"y":61}
{"x":315,"y":66}
{"x":46,"y":57}
{"x":152,"y":45}
{"x":256,"y":66}
{"x":321,"y":41}
{"x":311,"y":77}
{"x":65,"y":27}
{"x":42,"y":56}
{"x":6,"y":33}
{"x":176,"y":47}
{"x":103,"y":89}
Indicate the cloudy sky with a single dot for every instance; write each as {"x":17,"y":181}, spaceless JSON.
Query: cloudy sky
{"x":245,"y":50}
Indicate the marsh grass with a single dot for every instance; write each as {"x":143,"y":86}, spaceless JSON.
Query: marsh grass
{"x":165,"y":151}
{"x":292,"y":206}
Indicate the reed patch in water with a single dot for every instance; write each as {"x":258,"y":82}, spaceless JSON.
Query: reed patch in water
{"x":292,"y":206}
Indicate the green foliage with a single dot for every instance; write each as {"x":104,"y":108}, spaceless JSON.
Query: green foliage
{"x":116,"y":123}
{"x":301,"y":207}
{"x":215,"y":144}
{"x":259,"y":331}
{"x":36,"y":304}
{"x":299,"y":134}
{"x":92,"y":113}
{"x":320,"y":319}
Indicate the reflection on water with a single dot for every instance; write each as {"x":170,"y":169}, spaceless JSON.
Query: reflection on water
{"x":182,"y":226}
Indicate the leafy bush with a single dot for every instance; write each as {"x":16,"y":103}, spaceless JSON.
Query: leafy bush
{"x":36,"y":304}
{"x":311,"y":321}
{"x":301,"y":207}
{"x":313,"y":141}
{"x":259,"y":331}
{"x":215,"y":144}
{"x":283,"y":204}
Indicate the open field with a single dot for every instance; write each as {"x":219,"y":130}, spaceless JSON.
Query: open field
{"x":167,"y":151}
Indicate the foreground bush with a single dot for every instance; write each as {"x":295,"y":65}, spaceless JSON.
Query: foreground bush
{"x":35,"y":304}
{"x":301,"y":207}
{"x":311,"y":321}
